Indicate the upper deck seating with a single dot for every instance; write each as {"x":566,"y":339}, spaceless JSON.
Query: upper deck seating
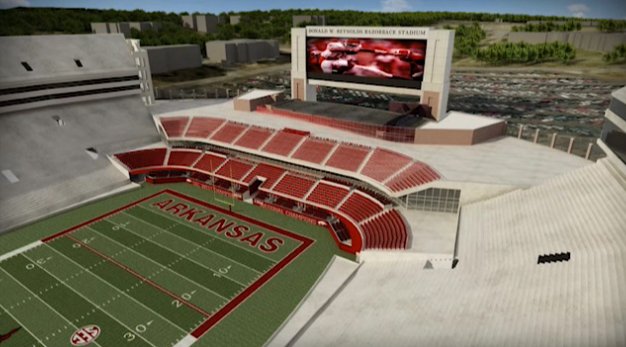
{"x":203,"y":127}
{"x":282,"y":143}
{"x":174,"y":126}
{"x":254,"y":137}
{"x":229,"y":132}
{"x":313,"y":150}
{"x":383,"y":163}
{"x":348,"y":157}
{"x":415,"y":175}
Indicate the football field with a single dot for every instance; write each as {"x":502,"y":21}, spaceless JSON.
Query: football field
{"x":163,"y":266}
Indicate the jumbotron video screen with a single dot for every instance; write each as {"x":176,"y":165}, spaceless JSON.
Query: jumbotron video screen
{"x":386,"y":62}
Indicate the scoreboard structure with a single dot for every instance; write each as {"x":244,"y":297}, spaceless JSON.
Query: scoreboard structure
{"x":400,"y":60}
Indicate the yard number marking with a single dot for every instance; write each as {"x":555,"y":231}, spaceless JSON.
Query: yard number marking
{"x":85,"y":335}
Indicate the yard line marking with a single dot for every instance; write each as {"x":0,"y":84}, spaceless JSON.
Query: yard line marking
{"x":244,"y":295}
{"x":164,"y":267}
{"x":22,"y":324}
{"x":146,"y":280}
{"x":20,"y":250}
{"x":87,"y":299}
{"x":93,"y":220}
{"x":198,"y":247}
{"x":42,"y":300}
{"x":186,"y":341}
{"x":204,"y":233}
{"x":184,"y":239}
{"x":119,"y":290}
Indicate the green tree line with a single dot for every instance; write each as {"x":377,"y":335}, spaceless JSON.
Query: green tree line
{"x":277,"y":24}
{"x":33,"y":21}
{"x":260,"y":24}
{"x":549,"y":26}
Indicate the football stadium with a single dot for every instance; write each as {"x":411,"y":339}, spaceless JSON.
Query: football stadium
{"x":277,"y":220}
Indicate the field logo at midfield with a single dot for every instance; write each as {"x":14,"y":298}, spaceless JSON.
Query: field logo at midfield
{"x":85,"y":335}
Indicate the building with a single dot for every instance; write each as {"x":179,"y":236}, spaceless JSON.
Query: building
{"x":234,"y":20}
{"x":201,"y":23}
{"x":241,"y":51}
{"x":170,"y":58}
{"x":123,"y":27}
{"x":311,"y":20}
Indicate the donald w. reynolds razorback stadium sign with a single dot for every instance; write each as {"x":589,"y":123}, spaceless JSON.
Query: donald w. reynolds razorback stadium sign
{"x":368,"y":32}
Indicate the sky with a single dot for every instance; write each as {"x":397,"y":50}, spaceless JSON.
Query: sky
{"x":615,"y":9}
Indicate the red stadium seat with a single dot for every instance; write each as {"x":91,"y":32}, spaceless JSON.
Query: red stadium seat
{"x":209,"y":162}
{"x":174,"y":126}
{"x":270,"y":172}
{"x":295,"y":186}
{"x":143,"y":158}
{"x":383,"y":163}
{"x":254,"y":137}
{"x":203,"y":127}
{"x":360,"y":207}
{"x":387,"y":230}
{"x":348,"y":157}
{"x":183,"y":157}
{"x":314,"y":150}
{"x":328,"y":194}
{"x":234,"y":169}
{"x":283,"y":142}
{"x":415,"y":175}
{"x":229,"y":132}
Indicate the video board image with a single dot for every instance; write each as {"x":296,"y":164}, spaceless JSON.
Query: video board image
{"x":386,"y":62}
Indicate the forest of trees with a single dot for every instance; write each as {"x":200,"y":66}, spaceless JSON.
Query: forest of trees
{"x":549,"y":26}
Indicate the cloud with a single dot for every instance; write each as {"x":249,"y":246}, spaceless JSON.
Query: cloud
{"x":14,"y":3}
{"x":578,"y":10}
{"x":395,"y":6}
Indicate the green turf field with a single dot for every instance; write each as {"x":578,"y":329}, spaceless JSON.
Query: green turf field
{"x":156,"y":265}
